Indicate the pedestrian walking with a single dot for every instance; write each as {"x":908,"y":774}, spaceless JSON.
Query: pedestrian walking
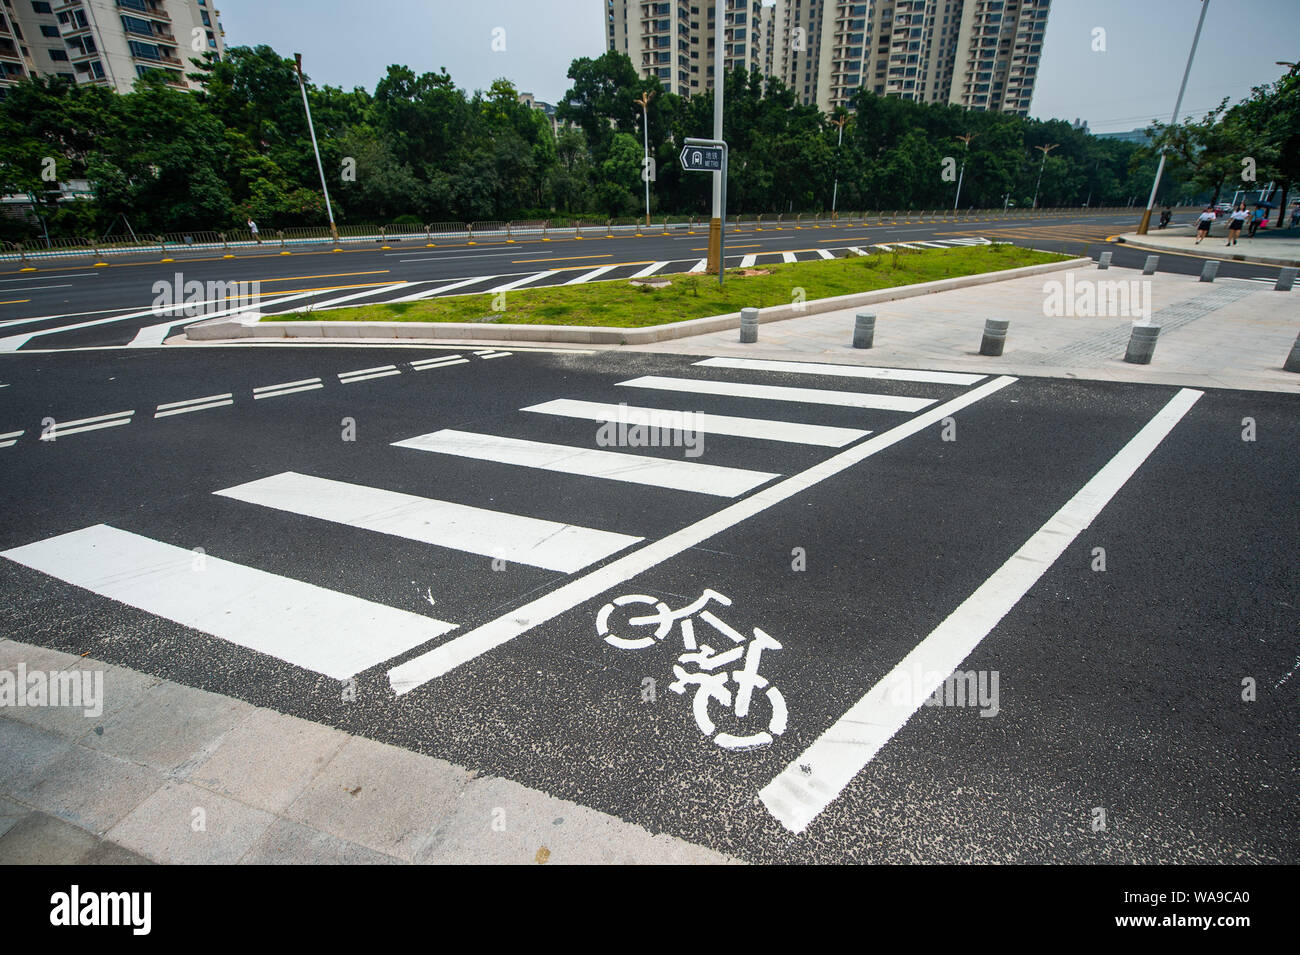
{"x":1258,"y":219}
{"x":1239,"y":217}
{"x":1203,"y":224}
{"x":252,"y":227}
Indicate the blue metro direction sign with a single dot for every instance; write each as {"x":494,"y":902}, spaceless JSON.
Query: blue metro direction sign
{"x":702,"y":158}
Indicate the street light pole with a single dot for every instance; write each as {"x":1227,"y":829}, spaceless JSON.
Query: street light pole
{"x":1178,"y":103}
{"x":965,"y":139}
{"x":297,"y":59}
{"x":644,"y":103}
{"x":1045,"y":149}
{"x":715,"y":222}
{"x":835,"y":193}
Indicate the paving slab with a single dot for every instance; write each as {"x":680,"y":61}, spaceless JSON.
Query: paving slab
{"x":183,"y":823}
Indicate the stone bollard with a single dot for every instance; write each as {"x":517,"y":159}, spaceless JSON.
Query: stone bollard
{"x":1293,"y":359}
{"x":748,"y":326}
{"x":1285,"y":279}
{"x":1150,"y":267}
{"x":1210,"y":271}
{"x":1142,"y":344}
{"x":1103,"y":261}
{"x":995,"y":336}
{"x":864,"y":330}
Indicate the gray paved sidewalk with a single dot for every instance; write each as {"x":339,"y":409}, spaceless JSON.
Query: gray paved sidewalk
{"x":171,"y":774}
{"x":1232,"y":333}
{"x":1270,"y":246}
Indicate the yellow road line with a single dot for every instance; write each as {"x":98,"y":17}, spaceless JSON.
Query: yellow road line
{"x":17,"y":301}
{"x":757,"y":245}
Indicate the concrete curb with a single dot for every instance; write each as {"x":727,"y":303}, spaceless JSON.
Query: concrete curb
{"x":248,"y":326}
{"x":1227,"y":257}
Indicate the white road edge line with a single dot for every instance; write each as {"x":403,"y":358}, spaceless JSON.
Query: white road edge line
{"x":446,"y":657}
{"x":817,"y":776}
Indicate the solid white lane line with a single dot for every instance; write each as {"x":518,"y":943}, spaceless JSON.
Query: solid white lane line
{"x":812,"y":396}
{"x":321,"y":630}
{"x":844,"y":371}
{"x":610,"y":465}
{"x":788,"y":257}
{"x":192,"y":401}
{"x":813,"y":780}
{"x":650,"y":269}
{"x":565,"y":548}
{"x":451,"y":654}
{"x":287,"y":384}
{"x":187,"y":409}
{"x":764,"y":429}
{"x":429,"y":293}
{"x":588,"y":276}
{"x":34,"y":288}
{"x":748,"y":261}
{"x":825,"y":253}
{"x":523,"y":281}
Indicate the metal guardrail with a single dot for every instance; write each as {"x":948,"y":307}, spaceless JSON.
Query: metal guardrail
{"x":232,"y":242}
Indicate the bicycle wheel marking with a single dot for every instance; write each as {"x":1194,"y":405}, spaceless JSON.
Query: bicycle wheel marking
{"x":712,"y":681}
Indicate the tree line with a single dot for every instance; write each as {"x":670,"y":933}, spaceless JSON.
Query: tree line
{"x":421,"y":150}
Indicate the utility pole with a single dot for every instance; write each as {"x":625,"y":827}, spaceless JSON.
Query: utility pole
{"x":1045,"y":149}
{"x":297,"y":60}
{"x":835,"y":193}
{"x":715,"y":221}
{"x":1178,"y":104}
{"x":965,"y":139}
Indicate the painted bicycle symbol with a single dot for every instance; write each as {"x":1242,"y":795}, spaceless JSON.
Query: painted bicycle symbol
{"x":703,"y":667}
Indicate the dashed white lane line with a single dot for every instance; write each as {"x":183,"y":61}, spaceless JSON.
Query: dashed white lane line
{"x":815,"y":396}
{"x":815,"y":778}
{"x":424,"y":364}
{"x":366,"y":374}
{"x":8,"y":440}
{"x":650,"y":269}
{"x":322,"y":630}
{"x":452,"y":653}
{"x":63,"y":428}
{"x":194,"y":404}
{"x":287,"y":388}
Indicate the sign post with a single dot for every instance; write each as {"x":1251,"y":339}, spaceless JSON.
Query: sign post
{"x":710,"y":155}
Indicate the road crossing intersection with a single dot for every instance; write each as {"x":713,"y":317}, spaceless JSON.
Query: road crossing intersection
{"x":440,"y":579}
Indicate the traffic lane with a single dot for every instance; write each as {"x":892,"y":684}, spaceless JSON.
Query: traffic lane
{"x":130,"y":286}
{"x":892,"y":546}
{"x":1122,"y":690}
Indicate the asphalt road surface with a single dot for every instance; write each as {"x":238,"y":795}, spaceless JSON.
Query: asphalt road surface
{"x":77,"y":305}
{"x":426,"y":547}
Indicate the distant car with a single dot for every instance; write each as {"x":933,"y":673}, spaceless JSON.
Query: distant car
{"x":1223,"y":207}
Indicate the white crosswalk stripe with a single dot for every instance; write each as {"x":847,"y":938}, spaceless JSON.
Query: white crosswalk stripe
{"x":843,"y":371}
{"x":593,"y":274}
{"x":526,"y":540}
{"x":847,"y":399}
{"x":321,"y":630}
{"x":649,"y":270}
{"x":660,"y":419}
{"x":506,"y":287}
{"x":699,"y":266}
{"x":439,"y":290}
{"x":748,"y":261}
{"x":610,"y":465}
{"x":788,"y":257}
{"x":825,"y":253}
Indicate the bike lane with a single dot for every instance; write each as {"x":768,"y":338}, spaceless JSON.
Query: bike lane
{"x":847,"y":577}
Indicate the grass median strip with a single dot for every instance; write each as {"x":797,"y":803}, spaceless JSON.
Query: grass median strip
{"x":620,"y":304}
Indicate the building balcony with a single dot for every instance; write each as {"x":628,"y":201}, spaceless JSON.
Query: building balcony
{"x":144,"y":9}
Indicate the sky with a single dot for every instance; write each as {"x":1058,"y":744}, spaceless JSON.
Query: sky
{"x":531,"y":42}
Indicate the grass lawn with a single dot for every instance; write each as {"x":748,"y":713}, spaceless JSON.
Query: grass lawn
{"x":619,"y":304}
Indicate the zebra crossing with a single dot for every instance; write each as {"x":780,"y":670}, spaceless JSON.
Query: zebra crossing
{"x":268,"y":610}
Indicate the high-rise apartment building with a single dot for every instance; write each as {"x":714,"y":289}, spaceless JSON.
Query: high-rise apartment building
{"x":107,"y":42}
{"x":982,"y":54}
